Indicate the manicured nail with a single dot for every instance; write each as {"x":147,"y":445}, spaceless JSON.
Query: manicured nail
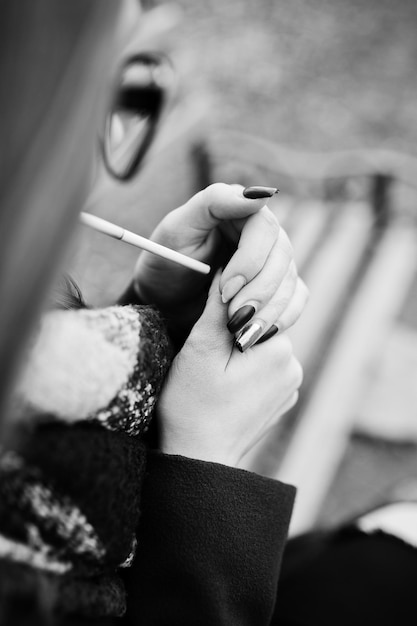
{"x":232,"y":286}
{"x":241,"y":317}
{"x":248,"y":336}
{"x":259,"y":192}
{"x":269,"y":333}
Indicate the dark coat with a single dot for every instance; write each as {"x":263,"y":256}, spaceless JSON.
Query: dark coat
{"x":210,"y":544}
{"x":346,"y":577}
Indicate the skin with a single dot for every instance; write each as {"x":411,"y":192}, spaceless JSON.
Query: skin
{"x":214,"y":222}
{"x":216,"y":402}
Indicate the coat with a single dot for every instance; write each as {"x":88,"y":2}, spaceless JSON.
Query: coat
{"x":98,"y":527}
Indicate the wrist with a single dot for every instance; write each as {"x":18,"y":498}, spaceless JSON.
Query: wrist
{"x":199,"y":455}
{"x":201,"y":448}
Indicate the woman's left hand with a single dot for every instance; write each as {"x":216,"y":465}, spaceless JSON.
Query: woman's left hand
{"x":222,"y":227}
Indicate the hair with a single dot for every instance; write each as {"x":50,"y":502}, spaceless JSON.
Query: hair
{"x":54,"y":59}
{"x":67,"y":295}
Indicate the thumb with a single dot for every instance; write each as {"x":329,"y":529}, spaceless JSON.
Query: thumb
{"x":211,"y":327}
{"x":214,"y":204}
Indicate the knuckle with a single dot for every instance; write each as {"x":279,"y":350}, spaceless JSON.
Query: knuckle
{"x":292,"y":271}
{"x":253,"y":261}
{"x":292,"y":317}
{"x":297,"y":372}
{"x":285,"y":292}
{"x":214,"y":193}
{"x":271,"y":221}
{"x":273,"y":287}
{"x":285,"y":243}
{"x":193,"y":343}
{"x":293,"y":400}
{"x":265,"y":296}
{"x":279,"y":304}
{"x":284,"y":351}
{"x":173,"y":218}
{"x":275,"y":309}
{"x":286,"y":289}
{"x":279,"y":291}
{"x":280,"y":308}
{"x":305,"y":291}
{"x":267,"y":311}
{"x":295,"y":306}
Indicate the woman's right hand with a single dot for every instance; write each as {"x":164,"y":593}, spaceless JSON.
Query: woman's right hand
{"x":217,"y":402}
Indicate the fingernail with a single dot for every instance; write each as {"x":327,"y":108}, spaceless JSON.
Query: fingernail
{"x":259,"y":192}
{"x":232,"y":286}
{"x":249,"y":335}
{"x":269,"y":333}
{"x":241,"y":317}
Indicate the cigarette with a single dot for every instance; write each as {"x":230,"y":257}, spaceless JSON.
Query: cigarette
{"x":117,"y":232}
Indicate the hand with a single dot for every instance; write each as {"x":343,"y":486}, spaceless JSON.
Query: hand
{"x":217,"y":403}
{"x":223,"y":228}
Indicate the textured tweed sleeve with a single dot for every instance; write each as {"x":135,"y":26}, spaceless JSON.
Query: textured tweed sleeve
{"x":70,"y":486}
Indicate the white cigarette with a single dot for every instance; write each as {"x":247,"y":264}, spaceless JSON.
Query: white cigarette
{"x":117,"y":232}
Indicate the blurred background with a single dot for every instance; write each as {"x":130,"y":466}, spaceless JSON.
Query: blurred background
{"x":320,"y":99}
{"x":327,"y":74}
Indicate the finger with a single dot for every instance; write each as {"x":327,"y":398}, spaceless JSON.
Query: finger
{"x":193,"y":227}
{"x":214,"y":312}
{"x":194,"y":220}
{"x":258,"y":238}
{"x":279,"y":314}
{"x":286,"y":307}
{"x":210,"y":330}
{"x":267,"y":294}
{"x":295,"y":307}
{"x":289,"y":404}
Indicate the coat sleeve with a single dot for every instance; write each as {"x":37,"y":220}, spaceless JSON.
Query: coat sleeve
{"x":210,"y":543}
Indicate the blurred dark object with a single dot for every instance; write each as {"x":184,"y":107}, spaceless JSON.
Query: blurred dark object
{"x":346,"y":577}
{"x":53,"y":57}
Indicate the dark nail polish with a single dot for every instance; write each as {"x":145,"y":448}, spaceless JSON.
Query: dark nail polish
{"x":259,"y":192}
{"x":240,"y":318}
{"x":269,"y":333}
